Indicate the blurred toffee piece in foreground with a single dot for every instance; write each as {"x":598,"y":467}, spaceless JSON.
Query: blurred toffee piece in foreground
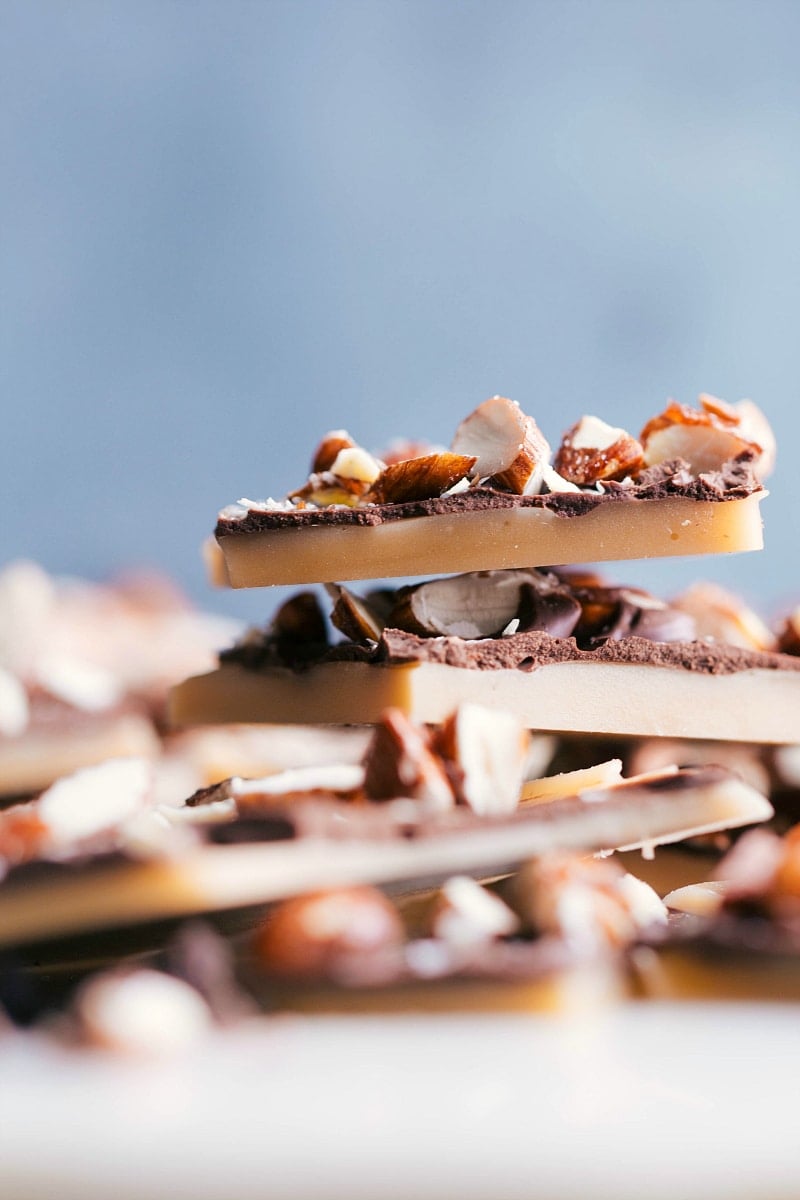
{"x":85,"y":669}
{"x":563,"y":651}
{"x":738,"y":934}
{"x":98,"y":851}
{"x":499,"y":498}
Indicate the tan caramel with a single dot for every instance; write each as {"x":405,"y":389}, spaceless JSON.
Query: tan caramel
{"x":493,"y":538}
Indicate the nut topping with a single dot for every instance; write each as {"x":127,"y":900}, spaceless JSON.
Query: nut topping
{"x":592,"y":451}
{"x":475,"y":605}
{"x":353,"y":616}
{"x":316,"y":935}
{"x":330,"y":446}
{"x":706,"y":437}
{"x":508,"y":446}
{"x":420,"y":478}
{"x":485,"y":752}
{"x":399,"y":762}
{"x":722,"y":616}
{"x":591,"y":903}
{"x":465,"y":914}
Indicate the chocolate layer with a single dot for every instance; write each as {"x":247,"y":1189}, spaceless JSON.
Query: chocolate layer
{"x":529,"y":651}
{"x":669,"y":480}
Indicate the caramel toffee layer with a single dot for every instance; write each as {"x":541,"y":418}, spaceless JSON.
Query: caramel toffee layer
{"x":666,"y":481}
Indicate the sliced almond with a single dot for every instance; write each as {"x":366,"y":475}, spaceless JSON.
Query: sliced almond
{"x":571,"y":783}
{"x":341,"y":781}
{"x":508,"y":446}
{"x":485,"y":751}
{"x":400,"y":762}
{"x":706,"y":437}
{"x":592,"y":451}
{"x":697,"y":899}
{"x":420,"y":478}
{"x":353,"y":616}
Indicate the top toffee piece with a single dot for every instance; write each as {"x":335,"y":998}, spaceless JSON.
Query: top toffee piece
{"x":498,"y":498}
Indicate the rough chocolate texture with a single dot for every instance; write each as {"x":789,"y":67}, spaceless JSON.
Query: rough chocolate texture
{"x":528,"y":651}
{"x":670,"y":480}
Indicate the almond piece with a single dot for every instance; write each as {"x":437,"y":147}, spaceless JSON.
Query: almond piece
{"x":590,"y":903}
{"x":755,"y":426}
{"x":355,"y":463}
{"x":724,"y":617}
{"x":789,"y":636}
{"x":141,"y":1012}
{"x":399,"y":762}
{"x":466,"y":914}
{"x":592,"y":451}
{"x":475,"y":605}
{"x":420,"y":478}
{"x":330,"y":446}
{"x":706,"y":437}
{"x":508,"y":446}
{"x":309,"y":936}
{"x":353,"y":616}
{"x":485,"y":752}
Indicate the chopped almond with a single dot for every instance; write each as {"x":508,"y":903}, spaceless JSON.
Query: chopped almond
{"x":592,"y":451}
{"x":420,"y":478}
{"x":508,"y":446}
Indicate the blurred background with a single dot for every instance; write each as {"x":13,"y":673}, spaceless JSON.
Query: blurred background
{"x":228,"y":227}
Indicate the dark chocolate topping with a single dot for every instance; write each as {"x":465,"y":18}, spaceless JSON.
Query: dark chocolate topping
{"x":529,"y":651}
{"x":670,"y":480}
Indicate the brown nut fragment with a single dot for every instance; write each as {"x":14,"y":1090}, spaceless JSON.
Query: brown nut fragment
{"x":475,"y":605}
{"x":591,"y":903}
{"x":592,"y":451}
{"x":789,"y":636}
{"x":399,"y":762}
{"x":724,"y":617}
{"x":508,"y":446}
{"x":22,"y":835}
{"x":706,"y":437}
{"x":300,"y":619}
{"x":420,"y":478}
{"x":485,"y":752}
{"x":326,"y":452}
{"x":311,"y":937}
{"x":353,"y":616}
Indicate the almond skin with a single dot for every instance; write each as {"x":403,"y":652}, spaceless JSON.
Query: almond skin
{"x":420,"y":478}
{"x":326,"y":452}
{"x":582,"y":463}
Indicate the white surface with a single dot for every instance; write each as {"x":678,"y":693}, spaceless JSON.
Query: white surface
{"x":641,"y":1103}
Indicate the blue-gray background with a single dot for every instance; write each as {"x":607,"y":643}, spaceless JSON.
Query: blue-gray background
{"x":229,"y":226}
